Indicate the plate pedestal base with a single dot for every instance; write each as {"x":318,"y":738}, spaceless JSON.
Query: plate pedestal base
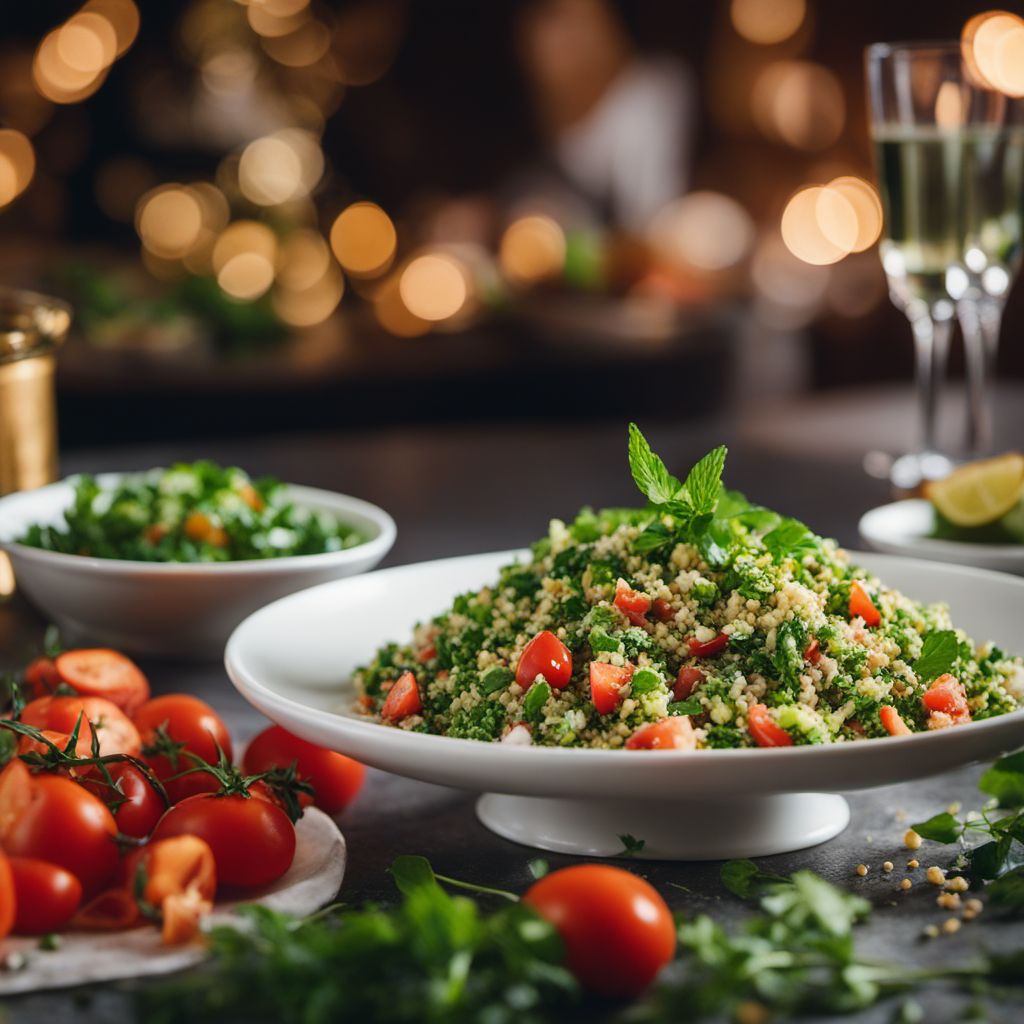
{"x":711,"y":829}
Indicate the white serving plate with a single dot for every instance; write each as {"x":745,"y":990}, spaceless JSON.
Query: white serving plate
{"x":903,"y":528}
{"x":293,"y":661}
{"x":172,"y":609}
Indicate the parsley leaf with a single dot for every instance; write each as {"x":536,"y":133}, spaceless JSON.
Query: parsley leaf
{"x":942,"y":828}
{"x":789,"y":538}
{"x":939,"y":651}
{"x":1005,"y":780}
{"x":631,"y":846}
{"x":656,"y":483}
{"x":745,"y":879}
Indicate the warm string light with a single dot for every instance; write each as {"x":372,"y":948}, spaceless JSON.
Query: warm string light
{"x":799,"y":103}
{"x":767,"y":21}
{"x":17,"y":164}
{"x":364,"y":240}
{"x":532,"y":249}
{"x":822,"y":224}
{"x":992,"y":45}
{"x":72,"y":61}
{"x":703,"y":231}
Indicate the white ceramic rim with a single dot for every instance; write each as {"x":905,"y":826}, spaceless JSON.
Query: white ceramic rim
{"x":872,"y":528}
{"x":427,"y":744}
{"x":342,"y":505}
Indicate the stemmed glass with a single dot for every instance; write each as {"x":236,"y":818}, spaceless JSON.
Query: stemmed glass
{"x":949,"y":169}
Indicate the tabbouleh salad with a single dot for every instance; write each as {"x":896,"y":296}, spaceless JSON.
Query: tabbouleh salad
{"x":191,"y":512}
{"x":699,"y":621}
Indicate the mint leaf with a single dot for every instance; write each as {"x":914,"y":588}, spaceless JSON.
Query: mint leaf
{"x":704,"y":482}
{"x":1005,"y":780}
{"x":690,"y":706}
{"x":789,"y":538}
{"x":656,"y":483}
{"x":939,"y":651}
{"x":656,"y":535}
{"x":943,"y":828}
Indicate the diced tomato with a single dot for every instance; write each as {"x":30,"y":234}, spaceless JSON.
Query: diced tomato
{"x":687,"y":678}
{"x":708,"y":648}
{"x":862,"y":605}
{"x":403,"y":699}
{"x":765,"y":730}
{"x":424,"y":654}
{"x":812,"y":652}
{"x":947,"y":695}
{"x":662,"y":610}
{"x":606,"y":683}
{"x":892,"y":722}
{"x":545,"y":655}
{"x":113,"y":910}
{"x":632,"y":603}
{"x":675,"y":733}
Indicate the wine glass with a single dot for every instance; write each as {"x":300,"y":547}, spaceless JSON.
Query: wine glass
{"x":942,"y":142}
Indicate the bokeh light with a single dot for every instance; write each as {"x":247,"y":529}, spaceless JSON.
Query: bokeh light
{"x":992,"y":44}
{"x":313,"y":303}
{"x":57,"y":80}
{"x":269,"y":172}
{"x":393,"y":314}
{"x":300,"y":48}
{"x":949,"y":106}
{"x":705,"y":231}
{"x":245,"y":237}
{"x":246,"y":276}
{"x":17,"y":164}
{"x":767,"y":21}
{"x":123,"y":17}
{"x":434,"y":287}
{"x":802,"y":225}
{"x":87,"y":43}
{"x":303,"y":260}
{"x":788,"y":291}
{"x":866,"y":205}
{"x":169,"y":219}
{"x":799,"y":103}
{"x":532,"y":249}
{"x":364,"y":240}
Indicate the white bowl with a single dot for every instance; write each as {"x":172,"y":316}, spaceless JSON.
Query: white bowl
{"x":182,"y":610}
{"x":904,"y":528}
{"x":293,"y":661}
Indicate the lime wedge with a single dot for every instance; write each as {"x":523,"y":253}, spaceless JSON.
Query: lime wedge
{"x":980,"y":492}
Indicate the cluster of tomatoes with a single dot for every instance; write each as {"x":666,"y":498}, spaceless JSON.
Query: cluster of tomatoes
{"x":116,"y":807}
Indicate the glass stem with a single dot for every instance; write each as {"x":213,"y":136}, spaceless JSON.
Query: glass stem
{"x":979,"y":321}
{"x":931,"y":348}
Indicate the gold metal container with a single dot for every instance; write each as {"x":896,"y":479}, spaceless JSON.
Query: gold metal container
{"x":32,"y":327}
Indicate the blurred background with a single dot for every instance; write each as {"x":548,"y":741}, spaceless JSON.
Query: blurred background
{"x":293,"y":214}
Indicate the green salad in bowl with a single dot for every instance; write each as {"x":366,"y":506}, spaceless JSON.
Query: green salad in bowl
{"x":699,"y":621}
{"x":191,"y":512}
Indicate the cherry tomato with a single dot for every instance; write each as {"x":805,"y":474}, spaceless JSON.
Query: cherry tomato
{"x":46,"y":896}
{"x":7,"y":899}
{"x":252,"y":840}
{"x":113,"y":729}
{"x":83,"y":748}
{"x":194,"y":727}
{"x":662,"y":610}
{"x":812,"y":652}
{"x":862,"y":605}
{"x":617,"y":931}
{"x":633,"y":604}
{"x":101,"y":672}
{"x":135,"y":804}
{"x":545,"y":655}
{"x":403,"y":699}
{"x":41,"y":677}
{"x":675,"y":733}
{"x":765,"y":731}
{"x":892,"y":721}
{"x":67,"y":826}
{"x":336,"y":778}
{"x":687,"y":679}
{"x":947,"y":696}
{"x":15,"y":795}
{"x":708,"y":648}
{"x":606,"y":683}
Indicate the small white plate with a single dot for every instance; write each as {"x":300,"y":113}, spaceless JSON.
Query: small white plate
{"x":904,"y":528}
{"x":179,"y":610}
{"x":310,"y":883}
{"x":293,"y":661}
